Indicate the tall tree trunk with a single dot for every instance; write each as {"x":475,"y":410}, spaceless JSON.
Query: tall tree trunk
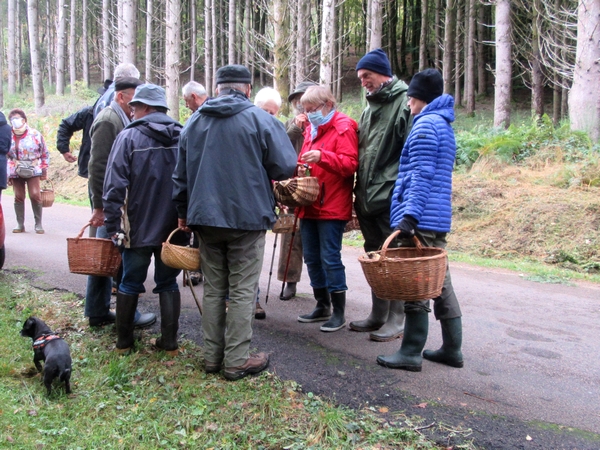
{"x":247,"y":33}
{"x":585,"y":95}
{"x":129,"y":31}
{"x":49,"y":46}
{"x":193,"y":40}
{"x":85,"y":51}
{"x":232,"y":26}
{"x":106,"y":67}
{"x":376,"y":25}
{"x":12,"y":46}
{"x":303,"y":40}
{"x":213,"y":39}
{"x":327,"y":37}
{"x":423,"y":37}
{"x":340,"y":53}
{"x":208,"y":79}
{"x":437,"y":55}
{"x":61,"y":48}
{"x":458,"y":58}
{"x":72,"y":46}
{"x":537,"y":77}
{"x":503,"y":84}
{"x":149,"y":14}
{"x":1,"y":61}
{"x":34,"y":50}
{"x":481,"y":50}
{"x":281,"y":73}
{"x":470,"y":55}
{"x":449,"y":28}
{"x":172,"y":51}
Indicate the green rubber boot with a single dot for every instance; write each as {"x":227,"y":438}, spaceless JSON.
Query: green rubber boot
{"x":409,"y":356}
{"x":449,"y":353}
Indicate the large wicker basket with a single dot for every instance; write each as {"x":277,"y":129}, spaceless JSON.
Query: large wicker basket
{"x":179,"y":256}
{"x":47,"y":194}
{"x":297,"y":191}
{"x":93,"y":256}
{"x":285,"y":224}
{"x":405,"y":273}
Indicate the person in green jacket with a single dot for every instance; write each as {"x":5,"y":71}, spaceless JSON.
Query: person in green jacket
{"x":382,"y":129}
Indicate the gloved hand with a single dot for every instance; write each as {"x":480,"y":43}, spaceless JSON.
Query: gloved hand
{"x":407,"y":227}
{"x":119,"y":239}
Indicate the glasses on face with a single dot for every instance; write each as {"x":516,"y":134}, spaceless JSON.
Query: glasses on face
{"x":312,"y":110}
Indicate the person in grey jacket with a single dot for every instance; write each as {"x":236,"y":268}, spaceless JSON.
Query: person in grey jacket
{"x":140,"y":213}
{"x":229,"y":152}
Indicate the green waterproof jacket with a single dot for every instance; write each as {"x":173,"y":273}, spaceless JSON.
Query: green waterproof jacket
{"x":382,"y":129}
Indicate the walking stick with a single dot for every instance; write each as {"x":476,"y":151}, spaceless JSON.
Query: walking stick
{"x":287,"y":263}
{"x":271,"y":269}
{"x":187,"y":275}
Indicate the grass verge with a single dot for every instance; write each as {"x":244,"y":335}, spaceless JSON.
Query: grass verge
{"x":149,"y":400}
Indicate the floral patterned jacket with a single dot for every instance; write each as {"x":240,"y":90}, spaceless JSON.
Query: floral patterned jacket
{"x":32,"y":148}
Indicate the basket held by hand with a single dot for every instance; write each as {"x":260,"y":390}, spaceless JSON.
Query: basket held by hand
{"x":93,"y":256}
{"x":179,"y":256}
{"x":298,"y":191}
{"x":47,"y":195}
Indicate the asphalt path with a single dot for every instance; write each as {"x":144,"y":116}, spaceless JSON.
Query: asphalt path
{"x":532,"y":368}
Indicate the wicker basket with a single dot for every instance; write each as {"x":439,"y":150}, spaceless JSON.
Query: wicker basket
{"x":93,"y":256}
{"x":285,"y":224}
{"x":298,"y":191}
{"x":180,"y":257}
{"x":405,"y":273}
{"x":47,"y":195}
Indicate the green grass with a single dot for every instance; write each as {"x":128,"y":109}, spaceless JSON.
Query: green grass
{"x":149,"y":400}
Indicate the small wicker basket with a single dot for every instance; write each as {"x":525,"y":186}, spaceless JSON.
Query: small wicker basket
{"x":180,"y":257}
{"x":47,"y":195}
{"x":405,"y":273}
{"x":93,"y":256}
{"x":285,"y":224}
{"x":298,"y":191}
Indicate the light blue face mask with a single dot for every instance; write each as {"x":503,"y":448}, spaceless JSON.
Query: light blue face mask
{"x":316,"y":118}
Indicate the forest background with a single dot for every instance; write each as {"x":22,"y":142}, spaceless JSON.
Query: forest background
{"x":527,"y":190}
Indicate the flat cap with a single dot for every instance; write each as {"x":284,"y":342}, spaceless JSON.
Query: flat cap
{"x":151,"y":95}
{"x":101,"y":90}
{"x":234,"y":73}
{"x":127,"y":83}
{"x":301,"y":89}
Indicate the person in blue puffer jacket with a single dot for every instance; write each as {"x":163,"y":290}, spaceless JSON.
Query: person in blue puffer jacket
{"x":422,"y":206}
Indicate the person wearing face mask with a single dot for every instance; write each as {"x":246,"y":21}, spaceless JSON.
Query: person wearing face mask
{"x":331,"y":151}
{"x":27,"y":149}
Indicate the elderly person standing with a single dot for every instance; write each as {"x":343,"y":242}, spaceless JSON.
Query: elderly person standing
{"x":269,"y":100}
{"x":383,"y":127}
{"x":229,"y":152}
{"x":137,"y":203}
{"x":422,"y":207}
{"x":194,"y":95}
{"x":331,"y":151}
{"x":27,"y":149}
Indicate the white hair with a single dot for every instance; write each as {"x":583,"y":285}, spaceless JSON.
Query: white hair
{"x":193,"y":87}
{"x":266,"y":94}
{"x":126,"y":70}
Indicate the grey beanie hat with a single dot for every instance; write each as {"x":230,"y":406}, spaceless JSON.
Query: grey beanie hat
{"x":301,"y":89}
{"x":151,"y":95}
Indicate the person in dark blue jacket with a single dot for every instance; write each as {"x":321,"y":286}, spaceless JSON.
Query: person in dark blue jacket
{"x":422,"y":207}
{"x":5,"y":141}
{"x":140,"y":214}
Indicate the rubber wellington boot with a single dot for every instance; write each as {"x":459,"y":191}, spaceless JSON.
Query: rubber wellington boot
{"x":415,"y":335}
{"x":322,"y":311}
{"x":126,"y":306}
{"x":394,"y":325}
{"x":377,"y":317}
{"x":288,"y":292}
{"x":20,"y":214}
{"x":37,"y":214}
{"x":449,"y":353}
{"x":170,"y":308}
{"x":337,"y":321}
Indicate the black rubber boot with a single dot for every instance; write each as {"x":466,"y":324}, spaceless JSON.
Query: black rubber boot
{"x":322,"y":311}
{"x":449,"y":353}
{"x":37,"y":214}
{"x":377,"y":317}
{"x":415,"y":335}
{"x":20,"y":214}
{"x":337,"y":321}
{"x":393,"y":326}
{"x":170,"y":308}
{"x":126,"y":306}
{"x":288,"y":292}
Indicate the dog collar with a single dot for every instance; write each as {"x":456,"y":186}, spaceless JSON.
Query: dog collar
{"x":43,"y":340}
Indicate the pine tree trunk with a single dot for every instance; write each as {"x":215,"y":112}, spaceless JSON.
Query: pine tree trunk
{"x":12,"y":46}
{"x":281,"y":74}
{"x":503,"y":83}
{"x":327,"y":32}
{"x":481,"y":50}
{"x":72,"y":47}
{"x":106,"y":67}
{"x":301,"y":43}
{"x":172,"y":51}
{"x":232,"y":26}
{"x":148,"y":58}
{"x":448,"y":62}
{"x":213,"y":39}
{"x":208,"y":79}
{"x":423,"y":37}
{"x":470,"y":55}
{"x":376,"y":24}
{"x":247,"y":33}
{"x":537,"y":77}
{"x":61,"y":48}
{"x":193,"y":40}
{"x":437,"y":53}
{"x":458,"y":53}
{"x":85,"y":51}
{"x":129,"y":32}
{"x":49,"y":46}
{"x":34,"y":49}
{"x":1,"y":61}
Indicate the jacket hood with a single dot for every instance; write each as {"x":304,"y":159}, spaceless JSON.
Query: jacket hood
{"x":394,"y":89}
{"x":3,"y":119}
{"x":158,"y":126}
{"x":226,"y":105}
{"x":442,"y":106}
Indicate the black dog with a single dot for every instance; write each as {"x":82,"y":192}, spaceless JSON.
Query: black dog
{"x":50,"y":348}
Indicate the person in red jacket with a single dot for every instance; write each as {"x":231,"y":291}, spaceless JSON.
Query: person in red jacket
{"x":331,"y":152}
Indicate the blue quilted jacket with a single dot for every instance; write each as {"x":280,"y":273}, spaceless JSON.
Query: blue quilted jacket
{"x":423,"y":189}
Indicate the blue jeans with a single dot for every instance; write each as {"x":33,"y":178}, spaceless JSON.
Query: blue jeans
{"x":322,"y":246}
{"x":98,"y":290}
{"x":135,"y":270}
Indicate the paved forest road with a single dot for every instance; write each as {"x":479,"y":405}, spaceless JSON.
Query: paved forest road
{"x":532,"y":368}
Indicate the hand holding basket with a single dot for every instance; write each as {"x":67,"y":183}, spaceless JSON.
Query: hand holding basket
{"x":93,"y":256}
{"x":179,"y":256}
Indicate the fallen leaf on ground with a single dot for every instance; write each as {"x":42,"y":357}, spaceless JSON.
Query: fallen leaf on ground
{"x":383,"y":409}
{"x":421,"y":405}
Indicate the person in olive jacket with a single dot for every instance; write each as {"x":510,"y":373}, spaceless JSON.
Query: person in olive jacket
{"x":382,"y":129}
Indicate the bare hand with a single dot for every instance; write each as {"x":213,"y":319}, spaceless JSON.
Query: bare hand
{"x":311,"y":156}
{"x":69,"y":157}
{"x":301,"y":121}
{"x":97,"y":219}
{"x":182,"y":225}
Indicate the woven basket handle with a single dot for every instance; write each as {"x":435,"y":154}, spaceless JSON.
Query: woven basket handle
{"x":80,"y":235}
{"x":48,"y":180}
{"x":179,"y":229}
{"x":392,"y":236}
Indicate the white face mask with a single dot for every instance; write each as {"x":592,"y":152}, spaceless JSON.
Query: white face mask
{"x":17,"y":122}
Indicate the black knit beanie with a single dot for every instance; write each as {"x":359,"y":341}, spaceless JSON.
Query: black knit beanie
{"x":426,"y":85}
{"x":376,"y":61}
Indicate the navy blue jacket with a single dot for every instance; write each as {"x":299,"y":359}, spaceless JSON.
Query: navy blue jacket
{"x":138,"y":182}
{"x":423,"y":189}
{"x":81,"y":120}
{"x":229,"y":152}
{"x":5,"y":141}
